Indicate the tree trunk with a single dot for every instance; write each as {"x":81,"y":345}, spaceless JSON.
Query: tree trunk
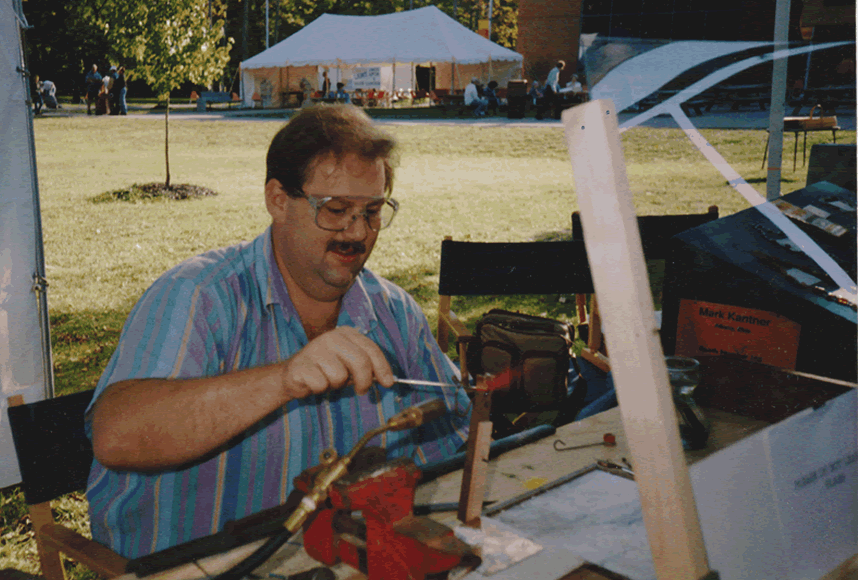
{"x":167,"y":140}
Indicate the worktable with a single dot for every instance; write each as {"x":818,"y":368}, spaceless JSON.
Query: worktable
{"x":509,"y":475}
{"x":732,"y":393}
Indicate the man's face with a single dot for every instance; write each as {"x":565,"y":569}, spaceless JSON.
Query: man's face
{"x":324,"y":264}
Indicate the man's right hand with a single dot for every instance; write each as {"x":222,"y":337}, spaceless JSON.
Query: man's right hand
{"x":333,"y":360}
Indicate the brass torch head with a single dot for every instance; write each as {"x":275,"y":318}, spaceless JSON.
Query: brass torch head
{"x":417,"y":415}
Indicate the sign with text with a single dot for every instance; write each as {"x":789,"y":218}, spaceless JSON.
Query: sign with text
{"x":814,"y":466}
{"x":367,"y":77}
{"x":708,"y":328}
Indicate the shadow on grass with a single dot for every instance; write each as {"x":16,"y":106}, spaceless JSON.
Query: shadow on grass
{"x":784,"y":179}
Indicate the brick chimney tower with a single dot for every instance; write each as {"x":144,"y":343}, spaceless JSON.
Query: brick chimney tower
{"x":548,"y":31}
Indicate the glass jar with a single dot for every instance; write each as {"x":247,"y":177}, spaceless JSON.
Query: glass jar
{"x":684,"y":375}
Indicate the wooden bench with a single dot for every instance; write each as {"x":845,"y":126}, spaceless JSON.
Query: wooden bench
{"x":207,"y":98}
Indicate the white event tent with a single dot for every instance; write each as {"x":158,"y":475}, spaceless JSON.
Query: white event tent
{"x":378,"y":52}
{"x":25,"y":334}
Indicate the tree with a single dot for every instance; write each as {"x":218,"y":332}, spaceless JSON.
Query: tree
{"x":165,"y":42}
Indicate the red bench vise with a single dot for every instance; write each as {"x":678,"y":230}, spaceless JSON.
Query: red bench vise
{"x":385,"y":541}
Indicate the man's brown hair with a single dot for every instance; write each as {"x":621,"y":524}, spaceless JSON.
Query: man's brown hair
{"x":322,"y":129}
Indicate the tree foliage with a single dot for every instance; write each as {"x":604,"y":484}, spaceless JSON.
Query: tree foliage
{"x":165,"y":42}
{"x":54,"y":27}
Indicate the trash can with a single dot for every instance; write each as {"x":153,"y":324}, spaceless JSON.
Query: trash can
{"x":516,"y":97}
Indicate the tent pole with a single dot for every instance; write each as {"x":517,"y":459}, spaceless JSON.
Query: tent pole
{"x":776,"y":108}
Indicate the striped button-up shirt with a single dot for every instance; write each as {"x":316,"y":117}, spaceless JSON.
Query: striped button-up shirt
{"x":228,"y":310}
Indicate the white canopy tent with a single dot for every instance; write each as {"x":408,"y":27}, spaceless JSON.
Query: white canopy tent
{"x":390,"y":43}
{"x":25,"y":345}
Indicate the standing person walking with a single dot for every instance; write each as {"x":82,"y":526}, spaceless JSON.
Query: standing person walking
{"x":551,"y":89}
{"x":93,"y":87}
{"x":120,"y":89}
{"x":326,"y":84}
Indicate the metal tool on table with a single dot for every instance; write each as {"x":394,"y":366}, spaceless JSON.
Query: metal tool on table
{"x":608,"y":440}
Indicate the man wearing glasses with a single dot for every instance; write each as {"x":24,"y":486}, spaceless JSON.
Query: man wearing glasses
{"x":238,"y":367}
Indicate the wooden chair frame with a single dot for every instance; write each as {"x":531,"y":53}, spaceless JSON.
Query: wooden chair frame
{"x":52,"y":538}
{"x":655,"y":232}
{"x":507,"y":268}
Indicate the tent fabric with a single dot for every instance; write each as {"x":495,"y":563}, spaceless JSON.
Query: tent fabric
{"x":418,"y":36}
{"x":24,"y":353}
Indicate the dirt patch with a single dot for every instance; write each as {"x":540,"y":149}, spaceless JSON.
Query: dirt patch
{"x":152,"y":191}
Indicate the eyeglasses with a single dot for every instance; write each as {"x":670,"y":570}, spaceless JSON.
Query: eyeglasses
{"x":336,"y":214}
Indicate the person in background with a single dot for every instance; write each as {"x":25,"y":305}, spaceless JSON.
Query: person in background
{"x":490,"y":94}
{"x":326,"y":84}
{"x":551,"y":89}
{"x":112,"y":94}
{"x":535,"y":94}
{"x":37,"y":95}
{"x":49,"y":94}
{"x":121,"y":89}
{"x":575,"y":86}
{"x":238,"y":367}
{"x":473,"y":98}
{"x":573,"y":92}
{"x":102,"y":105}
{"x":93,"y":84}
{"x":341,"y":94}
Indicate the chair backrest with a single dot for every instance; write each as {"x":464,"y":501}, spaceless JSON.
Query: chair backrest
{"x":656,"y":230}
{"x":54,"y":453}
{"x":475,"y":268}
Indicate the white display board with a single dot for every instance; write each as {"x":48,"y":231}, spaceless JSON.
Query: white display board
{"x":781,"y":504}
{"x":24,"y":339}
{"x":366,"y":77}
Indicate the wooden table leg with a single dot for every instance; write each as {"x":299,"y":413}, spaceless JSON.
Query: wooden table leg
{"x":766,"y":151}
{"x":476,"y":460}
{"x":795,"y":151}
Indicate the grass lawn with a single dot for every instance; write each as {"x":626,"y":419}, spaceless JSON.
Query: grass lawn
{"x":471,"y":182}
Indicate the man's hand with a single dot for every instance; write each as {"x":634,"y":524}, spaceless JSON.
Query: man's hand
{"x":333,"y":360}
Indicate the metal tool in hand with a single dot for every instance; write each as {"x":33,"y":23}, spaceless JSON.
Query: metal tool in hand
{"x":489,"y":382}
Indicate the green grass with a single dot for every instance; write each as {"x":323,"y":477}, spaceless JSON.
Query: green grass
{"x":471,"y":182}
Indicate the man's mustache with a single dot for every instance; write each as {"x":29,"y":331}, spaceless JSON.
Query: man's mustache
{"x":346,"y":248}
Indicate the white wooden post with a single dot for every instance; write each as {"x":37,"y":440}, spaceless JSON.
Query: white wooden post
{"x":776,"y":109}
{"x":637,"y":361}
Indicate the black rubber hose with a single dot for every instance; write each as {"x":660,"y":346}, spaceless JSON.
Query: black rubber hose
{"x":257,"y":558}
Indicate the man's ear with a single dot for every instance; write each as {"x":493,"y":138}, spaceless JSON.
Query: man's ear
{"x":276,"y":200}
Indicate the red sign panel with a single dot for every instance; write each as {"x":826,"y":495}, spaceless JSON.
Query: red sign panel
{"x":708,"y":328}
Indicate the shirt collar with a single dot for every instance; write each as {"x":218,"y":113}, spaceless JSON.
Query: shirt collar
{"x":356,"y":308}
